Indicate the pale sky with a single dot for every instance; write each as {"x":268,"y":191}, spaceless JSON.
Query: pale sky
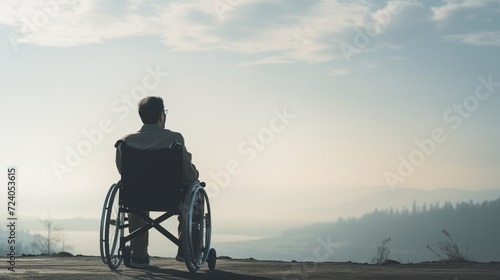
{"x":285,"y":105}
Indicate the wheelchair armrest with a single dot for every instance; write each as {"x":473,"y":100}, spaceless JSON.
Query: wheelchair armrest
{"x":118,"y":143}
{"x":175,"y":145}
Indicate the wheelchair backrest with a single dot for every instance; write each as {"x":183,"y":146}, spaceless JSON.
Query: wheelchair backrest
{"x":151,"y":179}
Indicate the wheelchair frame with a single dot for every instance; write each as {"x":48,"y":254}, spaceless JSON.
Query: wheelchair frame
{"x":195,"y":223}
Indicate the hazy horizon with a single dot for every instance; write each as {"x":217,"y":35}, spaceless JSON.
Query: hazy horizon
{"x":80,"y":234}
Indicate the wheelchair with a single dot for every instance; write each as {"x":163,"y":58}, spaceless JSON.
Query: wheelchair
{"x":152,"y":181}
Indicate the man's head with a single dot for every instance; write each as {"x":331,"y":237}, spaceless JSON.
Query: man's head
{"x":152,"y":110}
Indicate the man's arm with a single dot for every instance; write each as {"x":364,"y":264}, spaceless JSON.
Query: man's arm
{"x":119,"y":160}
{"x":190,"y":172}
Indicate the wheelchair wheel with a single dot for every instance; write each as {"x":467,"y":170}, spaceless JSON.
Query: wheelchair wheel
{"x":127,"y":256}
{"x":212,"y":259}
{"x":103,"y":218}
{"x":196,"y":228}
{"x":113,"y":230}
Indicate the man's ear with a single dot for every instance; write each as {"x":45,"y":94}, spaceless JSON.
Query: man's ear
{"x":161,"y":120}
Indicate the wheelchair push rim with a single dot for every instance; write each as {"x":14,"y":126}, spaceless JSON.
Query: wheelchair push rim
{"x":196,"y":228}
{"x":113,"y":230}
{"x":103,"y":219}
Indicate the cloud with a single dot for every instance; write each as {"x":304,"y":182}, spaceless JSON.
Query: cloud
{"x":280,"y":31}
{"x":454,"y":7}
{"x":288,"y":34}
{"x":384,"y":15}
{"x":69,"y":23}
{"x":279,"y":37}
{"x":443,"y":12}
{"x":469,"y":22}
{"x":8,"y":13}
{"x":478,"y":38}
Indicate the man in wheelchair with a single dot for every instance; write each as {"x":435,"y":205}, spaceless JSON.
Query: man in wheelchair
{"x":153,"y":136}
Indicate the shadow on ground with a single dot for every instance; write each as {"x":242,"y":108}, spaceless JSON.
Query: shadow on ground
{"x":155,"y":272}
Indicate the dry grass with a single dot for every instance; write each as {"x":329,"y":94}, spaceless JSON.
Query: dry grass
{"x":449,"y":250}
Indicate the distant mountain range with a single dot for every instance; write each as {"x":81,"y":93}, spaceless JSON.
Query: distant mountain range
{"x":357,"y":238}
{"x":399,"y":198}
{"x":383,"y":199}
{"x":416,"y":220}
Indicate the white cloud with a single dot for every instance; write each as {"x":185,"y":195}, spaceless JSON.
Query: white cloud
{"x":192,"y":26}
{"x":73,"y":23}
{"x":478,"y":38}
{"x":441,"y":13}
{"x":282,"y":34}
{"x":384,"y":16}
{"x":8,"y":13}
{"x":300,"y":38}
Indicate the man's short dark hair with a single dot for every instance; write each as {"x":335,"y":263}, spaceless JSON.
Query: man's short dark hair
{"x":150,"y":109}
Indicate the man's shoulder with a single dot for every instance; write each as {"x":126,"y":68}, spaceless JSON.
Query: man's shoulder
{"x":175,"y":135}
{"x":173,"y":132}
{"x":129,"y":135}
{"x":156,"y":138}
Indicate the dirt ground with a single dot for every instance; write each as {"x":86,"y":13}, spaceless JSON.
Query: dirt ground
{"x":49,"y":267}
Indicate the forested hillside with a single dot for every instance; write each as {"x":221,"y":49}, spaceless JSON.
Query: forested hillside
{"x":410,"y":230}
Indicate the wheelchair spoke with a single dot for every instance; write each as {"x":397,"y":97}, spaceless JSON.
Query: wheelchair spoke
{"x":113,"y":230}
{"x":196,"y":224}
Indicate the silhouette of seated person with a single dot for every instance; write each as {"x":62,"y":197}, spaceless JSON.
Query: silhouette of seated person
{"x":153,"y":136}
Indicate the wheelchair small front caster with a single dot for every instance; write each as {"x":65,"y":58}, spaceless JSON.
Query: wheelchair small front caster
{"x":212,"y":259}
{"x":126,"y":256}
